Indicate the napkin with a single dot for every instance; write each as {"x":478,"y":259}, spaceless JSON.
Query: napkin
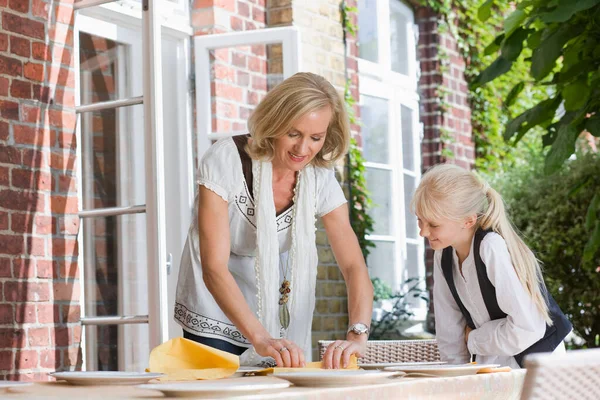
{"x":310,"y":367}
{"x":182,"y":360}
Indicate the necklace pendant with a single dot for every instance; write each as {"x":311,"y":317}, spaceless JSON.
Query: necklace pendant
{"x":284,"y":315}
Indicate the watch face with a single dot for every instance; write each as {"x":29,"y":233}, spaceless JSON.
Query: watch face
{"x":360,"y":328}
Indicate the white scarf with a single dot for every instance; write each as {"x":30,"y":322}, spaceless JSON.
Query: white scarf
{"x":303,"y":269}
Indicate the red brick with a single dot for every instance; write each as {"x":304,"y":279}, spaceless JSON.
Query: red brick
{"x":26,"y":359}
{"x":34,"y":71}
{"x":3,"y":86}
{"x":61,"y":336}
{"x":22,"y":200}
{"x":61,"y":33}
{"x":67,"y":269}
{"x":66,"y":184}
{"x":44,"y":224}
{"x":63,"y":119}
{"x":76,"y":333}
{"x":259,"y":83}
{"x":67,"y":140}
{"x":71,"y":313}
{"x":23,"y":268}
{"x":255,"y":64}
{"x":238,"y":60}
{"x":44,"y":269}
{"x":36,"y":136}
{"x":20,"y":89}
{"x":11,"y":244}
{"x":249,"y":26}
{"x":258,"y":15}
{"x":6,"y":315}
{"x":5,"y":270}
{"x":39,"y":51}
{"x":4,"y":181}
{"x":66,"y":291}
{"x":62,"y":76}
{"x":9,"y":154}
{"x":64,"y":247}
{"x":61,"y":55}
{"x":11,"y":338}
{"x":237,"y":24}
{"x":47,"y":313}
{"x":21,"y":223}
{"x":26,"y":291}
{"x":35,"y":246}
{"x":38,"y":337}
{"x":41,"y":93}
{"x":64,"y":161}
{"x":35,"y":158}
{"x":25,"y":313}
{"x":7,"y":359}
{"x":39,"y":8}
{"x":24,"y":26}
{"x":9,"y":110}
{"x":68,"y":225}
{"x":65,"y":97}
{"x":20,"y":46}
{"x":3,"y":42}
{"x":72,"y":357}
{"x":49,"y":358}
{"x":228,"y":92}
{"x":64,"y":13}
{"x":33,"y":115}
{"x":64,"y":204}
{"x":21,"y":6}
{"x":28,"y":179}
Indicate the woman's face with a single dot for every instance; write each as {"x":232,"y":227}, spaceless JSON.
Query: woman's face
{"x":303,"y":142}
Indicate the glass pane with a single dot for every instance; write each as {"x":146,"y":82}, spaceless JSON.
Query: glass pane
{"x":367,"y":30}
{"x":411,"y":265}
{"x":240,"y":79}
{"x":398,"y":39}
{"x":379,"y":183}
{"x":382,"y":262}
{"x":412,"y":228}
{"x":408,"y":138}
{"x":118,"y":347}
{"x":374,"y":118}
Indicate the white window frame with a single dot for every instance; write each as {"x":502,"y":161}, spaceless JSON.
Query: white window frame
{"x":106,"y":21}
{"x":377,"y":79}
{"x":288,"y":37}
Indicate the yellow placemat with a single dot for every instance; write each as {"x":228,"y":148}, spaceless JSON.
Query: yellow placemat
{"x":182,"y":360}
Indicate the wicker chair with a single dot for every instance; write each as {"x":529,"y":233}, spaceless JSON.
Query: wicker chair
{"x":575,"y":375}
{"x":390,"y":351}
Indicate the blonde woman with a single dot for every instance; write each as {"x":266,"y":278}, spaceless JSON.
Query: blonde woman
{"x":489,"y":296}
{"x":248,"y":271}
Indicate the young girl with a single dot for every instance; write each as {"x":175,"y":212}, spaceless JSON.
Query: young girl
{"x":489,"y":296}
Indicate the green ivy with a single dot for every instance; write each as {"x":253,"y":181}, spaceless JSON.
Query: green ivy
{"x":489,"y":112}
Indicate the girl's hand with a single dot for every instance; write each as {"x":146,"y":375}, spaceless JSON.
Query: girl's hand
{"x":338,"y":353}
{"x":467,"y":331}
{"x":285,"y":352}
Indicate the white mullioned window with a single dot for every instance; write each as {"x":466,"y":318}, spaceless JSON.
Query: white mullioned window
{"x":389,"y":113}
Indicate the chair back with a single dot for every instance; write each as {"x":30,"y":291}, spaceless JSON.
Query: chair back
{"x":574,"y":375}
{"x":391,"y":351}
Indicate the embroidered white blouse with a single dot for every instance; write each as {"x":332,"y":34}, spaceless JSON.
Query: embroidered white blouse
{"x":220,"y":170}
{"x":493,"y":341}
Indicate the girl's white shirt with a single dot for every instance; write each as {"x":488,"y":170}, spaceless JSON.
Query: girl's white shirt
{"x":494,"y":342}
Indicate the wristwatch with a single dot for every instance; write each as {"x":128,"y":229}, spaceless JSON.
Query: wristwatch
{"x":359,"y":329}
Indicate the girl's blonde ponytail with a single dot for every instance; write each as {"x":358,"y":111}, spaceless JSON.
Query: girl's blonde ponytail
{"x":526,"y":265}
{"x":448,"y":191}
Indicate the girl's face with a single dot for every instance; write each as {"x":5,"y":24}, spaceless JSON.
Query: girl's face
{"x":443,"y":233}
{"x":303,"y":142}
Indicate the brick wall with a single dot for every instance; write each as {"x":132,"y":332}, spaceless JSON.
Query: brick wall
{"x":436,"y":83}
{"x":39,"y":289}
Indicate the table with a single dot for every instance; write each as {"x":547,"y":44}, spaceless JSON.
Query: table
{"x":495,"y":386}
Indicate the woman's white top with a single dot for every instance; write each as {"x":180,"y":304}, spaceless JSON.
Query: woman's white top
{"x":494,"y":342}
{"x":220,"y":170}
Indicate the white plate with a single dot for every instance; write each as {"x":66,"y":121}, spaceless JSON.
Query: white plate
{"x":330,"y":378}
{"x":6,"y":385}
{"x":218,"y":388}
{"x":443,"y":370}
{"x":91,"y":378}
{"x":399,"y":364}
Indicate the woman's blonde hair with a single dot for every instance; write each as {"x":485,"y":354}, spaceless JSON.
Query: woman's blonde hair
{"x":285,"y":104}
{"x":450,"y":192}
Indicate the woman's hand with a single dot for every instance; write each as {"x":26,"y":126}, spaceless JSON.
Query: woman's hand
{"x":338,"y":353}
{"x":285,"y":352}
{"x":467,"y":331}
